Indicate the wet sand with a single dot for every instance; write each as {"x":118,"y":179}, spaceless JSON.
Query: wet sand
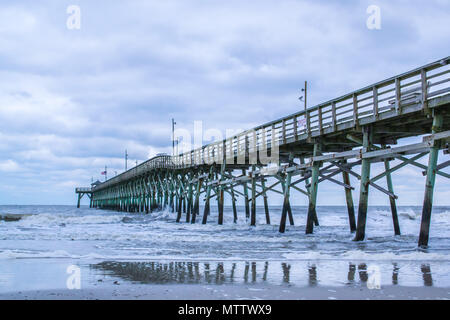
{"x":232,"y":292}
{"x":238,"y":280}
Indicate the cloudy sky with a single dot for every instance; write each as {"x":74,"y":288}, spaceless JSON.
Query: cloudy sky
{"x":71,"y":101}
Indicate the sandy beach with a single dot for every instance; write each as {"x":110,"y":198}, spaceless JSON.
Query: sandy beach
{"x":232,"y":292}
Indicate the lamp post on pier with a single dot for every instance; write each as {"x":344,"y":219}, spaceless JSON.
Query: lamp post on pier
{"x":305,"y":95}
{"x":173,"y":136}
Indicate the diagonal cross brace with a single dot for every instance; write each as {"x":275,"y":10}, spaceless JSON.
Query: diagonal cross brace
{"x":439,"y":166}
{"x":401,"y":165}
{"x":335,"y":172}
{"x":308,"y":175}
{"x":337,"y":182}
{"x":390,"y":194}
{"x":399,"y":157}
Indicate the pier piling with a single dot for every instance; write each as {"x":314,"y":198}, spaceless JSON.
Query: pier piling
{"x":429,"y":185}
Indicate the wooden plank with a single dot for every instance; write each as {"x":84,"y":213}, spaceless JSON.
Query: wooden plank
{"x":320,"y":124}
{"x":416,"y":147}
{"x":308,"y":123}
{"x":295,"y":128}
{"x":334,"y":119}
{"x":375,"y":103}
{"x":327,"y":177}
{"x":436,"y":136}
{"x":355,"y":111}
{"x":339,"y":155}
{"x":423,"y":79}
{"x":397,"y":96}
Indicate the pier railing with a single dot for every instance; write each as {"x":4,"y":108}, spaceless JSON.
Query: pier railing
{"x":381,"y":100}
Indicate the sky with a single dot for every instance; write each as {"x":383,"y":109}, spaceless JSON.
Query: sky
{"x":72,"y":100}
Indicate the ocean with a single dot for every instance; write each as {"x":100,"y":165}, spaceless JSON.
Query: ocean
{"x":152,"y":249}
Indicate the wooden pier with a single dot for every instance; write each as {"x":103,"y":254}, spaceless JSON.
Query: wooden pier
{"x":84,"y":191}
{"x":307,"y":148}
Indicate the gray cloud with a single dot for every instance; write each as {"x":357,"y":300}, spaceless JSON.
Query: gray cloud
{"x":71,"y":101}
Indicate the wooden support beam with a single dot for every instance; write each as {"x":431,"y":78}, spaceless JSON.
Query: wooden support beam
{"x":337,"y":171}
{"x":302,"y":162}
{"x":147,"y":196}
{"x":247,"y":208}
{"x":221,"y":188}
{"x":171,"y":192}
{"x":270,"y":188}
{"x":288,"y":207}
{"x":300,"y":190}
{"x":180,"y":200}
{"x":401,"y":165}
{"x":321,"y":171}
{"x":197,"y":200}
{"x":253,"y":216}
{"x":233,"y":203}
{"x":370,"y":182}
{"x":220,"y":199}
{"x":439,"y":167}
{"x":429,"y":185}
{"x":206,"y":210}
{"x":313,"y":189}
{"x":290,"y":215}
{"x":392,"y":199}
{"x":285,"y":203}
{"x":236,"y":191}
{"x":266,"y":205}
{"x":364,"y":188}
{"x":345,"y":185}
{"x":307,"y":184}
{"x":189,"y":203}
{"x":392,"y":152}
{"x":349,"y":199}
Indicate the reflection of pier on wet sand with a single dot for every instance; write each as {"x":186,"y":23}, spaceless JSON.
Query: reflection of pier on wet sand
{"x":205,"y":280}
{"x":302,"y":273}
